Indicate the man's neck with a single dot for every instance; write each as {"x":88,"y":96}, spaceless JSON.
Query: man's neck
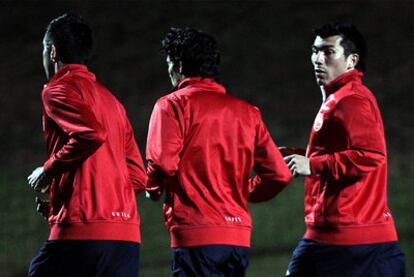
{"x":58,"y":65}
{"x":323,"y":93}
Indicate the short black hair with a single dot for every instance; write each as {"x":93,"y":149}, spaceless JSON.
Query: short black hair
{"x":72,"y":38}
{"x":352,"y":41}
{"x":196,"y":50}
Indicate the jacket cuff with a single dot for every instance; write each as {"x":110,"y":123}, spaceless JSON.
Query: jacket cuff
{"x":48,"y":166}
{"x":318,"y":164}
{"x":138,"y":187}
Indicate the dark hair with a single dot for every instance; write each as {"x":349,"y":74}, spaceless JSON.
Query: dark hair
{"x":72,"y":38}
{"x":352,"y":41}
{"x":196,"y":50}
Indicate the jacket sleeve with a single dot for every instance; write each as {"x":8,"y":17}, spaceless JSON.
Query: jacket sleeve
{"x":273,"y":175}
{"x":134,"y":161}
{"x":164,"y":144}
{"x":85,"y":135}
{"x":366,"y":144}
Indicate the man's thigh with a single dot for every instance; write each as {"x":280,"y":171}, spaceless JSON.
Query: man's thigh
{"x":210,"y":260}
{"x":301,"y":261}
{"x":311,"y":258}
{"x":390,"y":262}
{"x":86,"y":258}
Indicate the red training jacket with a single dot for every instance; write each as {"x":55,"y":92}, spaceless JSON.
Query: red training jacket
{"x":93,"y":159}
{"x":202,"y":146}
{"x":346,"y":195}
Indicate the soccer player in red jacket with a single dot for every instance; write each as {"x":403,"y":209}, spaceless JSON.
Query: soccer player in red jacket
{"x":202,"y":147}
{"x":94,"y":167}
{"x":350,"y":230}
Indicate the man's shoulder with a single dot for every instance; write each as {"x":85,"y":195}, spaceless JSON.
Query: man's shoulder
{"x":192,"y":95}
{"x":56,"y":87}
{"x":68,"y":81}
{"x":78,"y":87}
{"x":354,"y":91}
{"x":242,"y":103}
{"x":356,"y":101}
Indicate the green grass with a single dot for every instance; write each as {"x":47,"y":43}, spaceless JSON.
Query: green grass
{"x":401,"y":193}
{"x":22,"y":231}
{"x":278,"y":226}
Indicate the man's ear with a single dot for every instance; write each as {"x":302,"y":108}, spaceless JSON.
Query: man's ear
{"x":53,"y":54}
{"x":352,"y":61}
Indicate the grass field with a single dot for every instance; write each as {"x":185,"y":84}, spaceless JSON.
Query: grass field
{"x":278,"y":225}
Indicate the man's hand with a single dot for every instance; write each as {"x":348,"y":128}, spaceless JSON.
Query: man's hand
{"x":43,"y":207}
{"x":38,"y":180}
{"x":153,"y":193}
{"x":299,"y":165}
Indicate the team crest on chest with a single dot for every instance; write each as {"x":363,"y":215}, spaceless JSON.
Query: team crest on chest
{"x":325,"y":108}
{"x":317,"y":124}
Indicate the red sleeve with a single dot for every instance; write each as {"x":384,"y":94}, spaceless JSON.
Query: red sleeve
{"x":164,"y":144}
{"x":273,"y":175}
{"x":134,"y":161}
{"x":85,"y":135}
{"x":366,"y":141}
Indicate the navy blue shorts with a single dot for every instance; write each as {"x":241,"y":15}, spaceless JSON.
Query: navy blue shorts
{"x":311,"y":258}
{"x":78,"y":258}
{"x":210,"y":260}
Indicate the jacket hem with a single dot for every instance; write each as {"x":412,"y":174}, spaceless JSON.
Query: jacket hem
{"x":205,"y":235}
{"x":95,"y":231}
{"x":349,"y":235}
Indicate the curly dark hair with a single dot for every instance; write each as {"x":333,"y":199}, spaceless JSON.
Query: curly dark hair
{"x":353,"y":41}
{"x":196,"y":50}
{"x":72,"y":38}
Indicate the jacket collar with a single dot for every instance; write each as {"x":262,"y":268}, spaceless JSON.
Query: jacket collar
{"x":353,"y":75}
{"x":207,"y":84}
{"x":78,"y":69}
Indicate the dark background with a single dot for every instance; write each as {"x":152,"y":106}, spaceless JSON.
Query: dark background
{"x":265,"y":50}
